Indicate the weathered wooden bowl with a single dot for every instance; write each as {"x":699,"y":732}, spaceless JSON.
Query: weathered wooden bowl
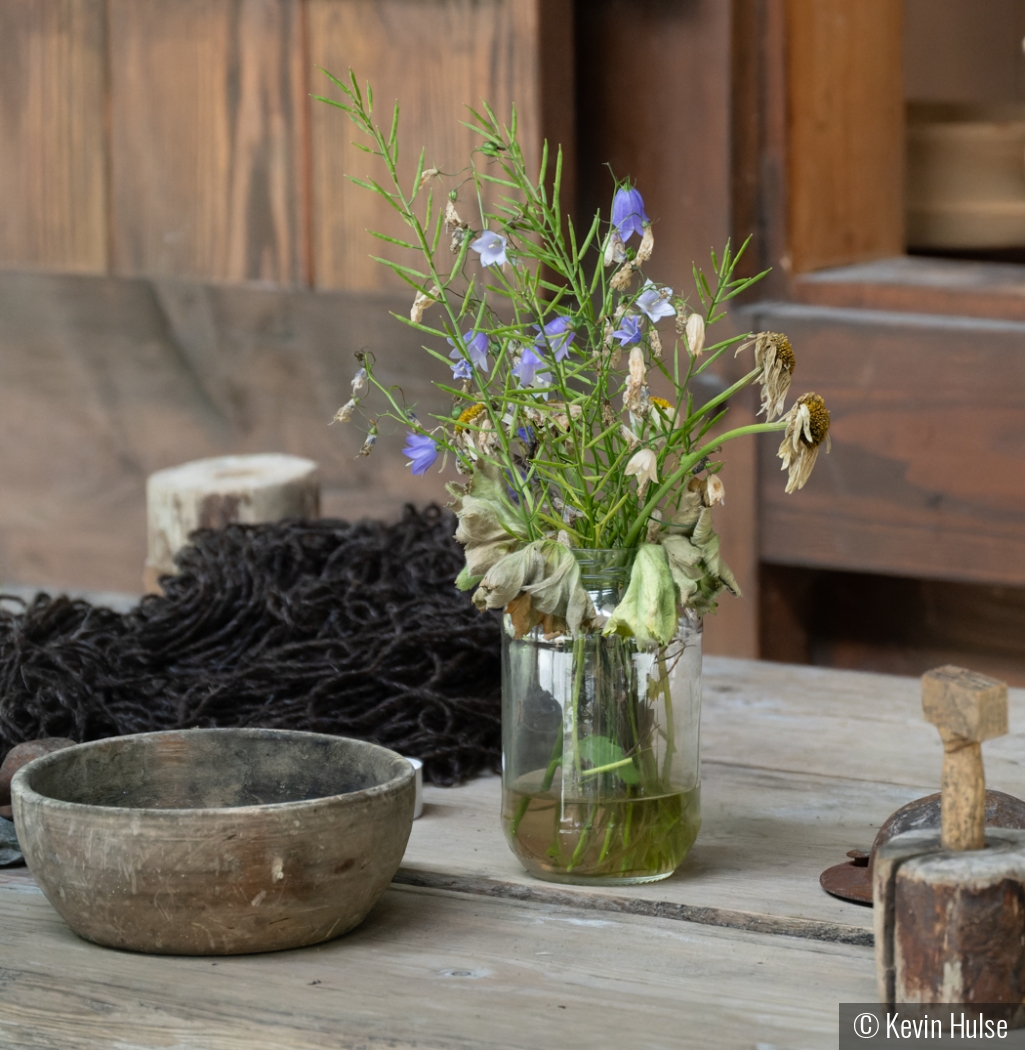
{"x":214,"y":841}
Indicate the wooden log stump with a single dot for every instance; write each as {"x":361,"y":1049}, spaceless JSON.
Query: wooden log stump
{"x":211,"y":493}
{"x":950,"y":905}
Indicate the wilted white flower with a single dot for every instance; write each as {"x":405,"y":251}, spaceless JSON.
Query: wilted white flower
{"x":358,"y":382}
{"x":421,"y":302}
{"x":695,"y":334}
{"x":807,"y":428}
{"x":615,"y":249}
{"x":715,"y":491}
{"x":426,"y":176}
{"x":344,"y":414}
{"x":635,"y":396}
{"x":646,"y":248}
{"x":644,"y":465}
{"x":656,"y":343}
{"x":454,"y":225}
{"x":371,"y":440}
{"x":775,"y":355}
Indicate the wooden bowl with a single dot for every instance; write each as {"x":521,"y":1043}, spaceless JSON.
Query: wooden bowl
{"x":965,"y":175}
{"x":214,"y":841}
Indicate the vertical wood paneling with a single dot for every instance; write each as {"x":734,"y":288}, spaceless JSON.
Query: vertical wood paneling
{"x":846,"y":150}
{"x":435,"y":58}
{"x":207,"y":150}
{"x":52,"y":196}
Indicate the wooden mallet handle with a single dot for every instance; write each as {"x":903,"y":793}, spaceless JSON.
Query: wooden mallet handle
{"x":967,"y":708}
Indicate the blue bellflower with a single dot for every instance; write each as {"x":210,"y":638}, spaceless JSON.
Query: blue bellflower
{"x":651,"y":302}
{"x":628,"y":214}
{"x":476,"y":347}
{"x":422,"y":451}
{"x":490,"y":246}
{"x":558,"y":334}
{"x":527,"y":368}
{"x":629,"y":331}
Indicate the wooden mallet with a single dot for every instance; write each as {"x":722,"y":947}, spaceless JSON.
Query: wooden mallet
{"x":950,"y":907}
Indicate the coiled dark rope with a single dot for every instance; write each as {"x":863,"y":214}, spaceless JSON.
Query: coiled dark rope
{"x":355,"y":630}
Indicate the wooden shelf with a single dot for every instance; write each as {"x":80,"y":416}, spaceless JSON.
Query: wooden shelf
{"x":920,"y":285}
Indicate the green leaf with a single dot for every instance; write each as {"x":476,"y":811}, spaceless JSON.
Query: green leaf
{"x":465,"y":581}
{"x":648,"y":609}
{"x":600,"y":751}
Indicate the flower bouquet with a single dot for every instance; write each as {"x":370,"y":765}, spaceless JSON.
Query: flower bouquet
{"x":590,"y":473}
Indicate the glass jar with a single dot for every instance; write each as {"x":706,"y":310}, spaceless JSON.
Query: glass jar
{"x":600,"y":744}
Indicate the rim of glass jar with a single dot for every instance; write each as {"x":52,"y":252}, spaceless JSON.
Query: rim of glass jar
{"x":604,"y":567}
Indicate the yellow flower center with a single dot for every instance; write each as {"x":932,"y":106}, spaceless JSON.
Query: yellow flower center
{"x":661,"y":403}
{"x":468,"y":415}
{"x":785,"y":356}
{"x":818,"y":421}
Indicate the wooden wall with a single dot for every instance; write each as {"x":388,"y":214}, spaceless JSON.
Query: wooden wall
{"x":184,"y":270}
{"x":150,"y":139}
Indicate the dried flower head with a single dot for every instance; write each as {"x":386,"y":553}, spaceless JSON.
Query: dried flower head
{"x":468,"y":415}
{"x":623,"y":276}
{"x":421,"y":302}
{"x":644,"y":466}
{"x":368,"y":445}
{"x":426,"y":175}
{"x":344,"y":414}
{"x":646,"y":248}
{"x":635,"y":394}
{"x":807,"y":429}
{"x":455,"y":225}
{"x":776,"y":358}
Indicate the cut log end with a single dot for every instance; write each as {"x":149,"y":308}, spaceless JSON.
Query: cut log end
{"x":212,"y":493}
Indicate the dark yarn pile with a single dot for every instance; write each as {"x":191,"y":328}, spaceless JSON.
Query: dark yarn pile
{"x":355,"y":630}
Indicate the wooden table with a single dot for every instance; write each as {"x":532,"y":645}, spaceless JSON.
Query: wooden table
{"x":741,"y":948}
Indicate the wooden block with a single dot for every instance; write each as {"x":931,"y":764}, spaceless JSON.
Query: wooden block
{"x":207,"y":139}
{"x":52,"y":135}
{"x":969,"y":705}
{"x":436,"y":59}
{"x":846,"y":142}
{"x":950,"y":926}
{"x":212,"y":493}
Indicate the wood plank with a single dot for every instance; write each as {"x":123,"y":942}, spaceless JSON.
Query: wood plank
{"x":104,"y":380}
{"x":921,"y":285}
{"x":52,"y":180}
{"x":759,"y":124}
{"x":429,"y":969}
{"x":208,"y":139}
{"x":673,"y":140}
{"x":925,"y":476}
{"x":436,"y":59}
{"x":846,"y":143}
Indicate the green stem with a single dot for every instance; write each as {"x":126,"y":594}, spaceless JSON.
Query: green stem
{"x":685,"y":465}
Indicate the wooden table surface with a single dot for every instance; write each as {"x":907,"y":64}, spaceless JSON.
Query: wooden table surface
{"x":741,"y":948}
